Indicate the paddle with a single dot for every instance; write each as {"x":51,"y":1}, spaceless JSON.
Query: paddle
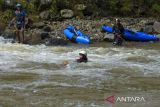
{"x":75,"y":31}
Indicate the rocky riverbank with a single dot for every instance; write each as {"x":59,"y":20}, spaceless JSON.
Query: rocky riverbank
{"x":51,"y":32}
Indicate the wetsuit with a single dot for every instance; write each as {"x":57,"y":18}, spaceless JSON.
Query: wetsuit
{"x":118,"y":31}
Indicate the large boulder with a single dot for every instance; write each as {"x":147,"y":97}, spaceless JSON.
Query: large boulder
{"x":67,"y":13}
{"x":45,"y":15}
{"x":33,"y":37}
{"x":156,"y":27}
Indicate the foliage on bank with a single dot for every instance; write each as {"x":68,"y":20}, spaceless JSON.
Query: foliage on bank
{"x":94,"y":8}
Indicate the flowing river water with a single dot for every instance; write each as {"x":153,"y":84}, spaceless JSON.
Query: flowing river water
{"x":34,"y":76}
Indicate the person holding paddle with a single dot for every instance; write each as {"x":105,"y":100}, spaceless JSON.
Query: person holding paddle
{"x":118,"y":31}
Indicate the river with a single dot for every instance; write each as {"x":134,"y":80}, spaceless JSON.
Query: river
{"x":34,"y":76}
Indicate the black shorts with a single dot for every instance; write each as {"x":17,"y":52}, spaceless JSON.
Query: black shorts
{"x":19,"y":27}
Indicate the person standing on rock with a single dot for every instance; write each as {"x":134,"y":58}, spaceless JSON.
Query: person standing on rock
{"x":19,"y":19}
{"x":118,"y":31}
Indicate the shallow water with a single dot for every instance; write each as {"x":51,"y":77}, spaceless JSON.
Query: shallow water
{"x":34,"y":76}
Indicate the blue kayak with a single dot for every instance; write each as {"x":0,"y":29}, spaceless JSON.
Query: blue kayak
{"x":133,"y":36}
{"x":76,"y":35}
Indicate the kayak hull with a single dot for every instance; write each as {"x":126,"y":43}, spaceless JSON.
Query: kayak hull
{"x":133,"y":36}
{"x":77,"y":37}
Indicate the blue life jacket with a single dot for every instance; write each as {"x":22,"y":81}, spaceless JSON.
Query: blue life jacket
{"x":20,"y":17}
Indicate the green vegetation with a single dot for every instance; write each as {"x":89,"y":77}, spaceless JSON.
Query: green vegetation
{"x":102,"y":8}
{"x":156,"y":8}
{"x":5,"y":16}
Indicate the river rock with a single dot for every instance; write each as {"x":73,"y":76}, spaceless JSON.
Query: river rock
{"x":108,"y":37}
{"x":45,"y":15}
{"x":44,"y":35}
{"x":148,"y":29}
{"x":66,"y":13}
{"x":9,"y":33}
{"x":38,"y":25}
{"x":47,"y":28}
{"x":80,"y":7}
{"x":156,"y":27}
{"x":33,"y":38}
{"x":56,"y":41}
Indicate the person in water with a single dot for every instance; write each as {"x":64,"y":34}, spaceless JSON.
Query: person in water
{"x":118,"y":31}
{"x":82,"y":57}
{"x":19,"y":19}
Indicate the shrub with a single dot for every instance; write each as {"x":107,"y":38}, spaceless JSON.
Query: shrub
{"x":156,"y":9}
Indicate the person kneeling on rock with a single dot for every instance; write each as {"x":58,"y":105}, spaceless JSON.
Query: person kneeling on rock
{"x":118,"y":31}
{"x":82,"y":57}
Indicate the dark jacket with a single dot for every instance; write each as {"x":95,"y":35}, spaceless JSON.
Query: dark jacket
{"x":83,"y":59}
{"x":118,"y":29}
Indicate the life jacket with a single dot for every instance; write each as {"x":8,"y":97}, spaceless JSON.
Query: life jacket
{"x":20,"y":17}
{"x":118,"y":29}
